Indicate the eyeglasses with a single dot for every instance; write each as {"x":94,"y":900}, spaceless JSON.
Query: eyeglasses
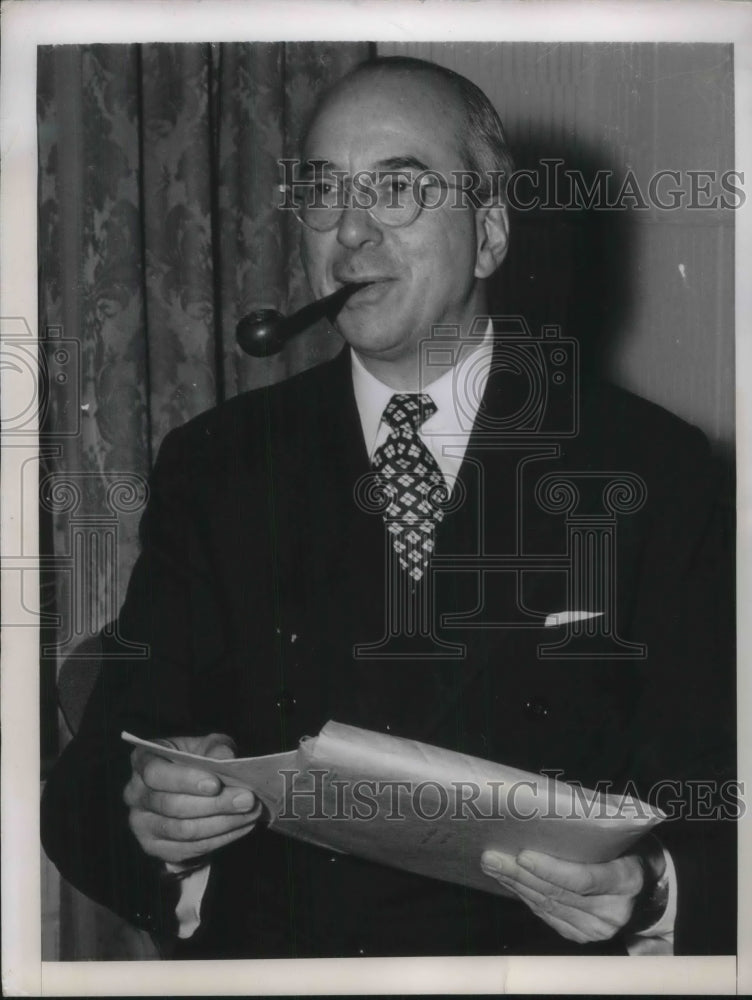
{"x":393,"y":199}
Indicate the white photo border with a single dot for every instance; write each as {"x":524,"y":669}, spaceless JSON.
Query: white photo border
{"x":31,"y":23}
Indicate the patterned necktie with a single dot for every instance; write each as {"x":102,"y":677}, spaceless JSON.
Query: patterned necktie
{"x":411,"y":480}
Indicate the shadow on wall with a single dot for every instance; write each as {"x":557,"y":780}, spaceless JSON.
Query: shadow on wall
{"x":572,"y":267}
{"x":580,"y":268}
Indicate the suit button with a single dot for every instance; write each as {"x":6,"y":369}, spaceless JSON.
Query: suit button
{"x":536,"y":709}
{"x":286,"y":702}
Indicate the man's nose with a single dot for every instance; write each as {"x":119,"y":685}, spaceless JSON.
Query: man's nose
{"x":357,"y":227}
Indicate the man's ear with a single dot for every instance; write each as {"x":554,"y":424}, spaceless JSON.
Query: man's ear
{"x":492,"y":235}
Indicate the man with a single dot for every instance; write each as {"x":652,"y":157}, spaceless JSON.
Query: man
{"x":263,"y":582}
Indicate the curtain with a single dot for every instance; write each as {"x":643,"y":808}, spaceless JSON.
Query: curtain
{"x":158,"y":230}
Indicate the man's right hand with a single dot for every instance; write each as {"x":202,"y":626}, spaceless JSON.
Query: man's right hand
{"x":180,"y":813}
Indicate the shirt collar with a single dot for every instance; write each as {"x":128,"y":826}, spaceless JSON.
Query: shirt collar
{"x":457,"y":393}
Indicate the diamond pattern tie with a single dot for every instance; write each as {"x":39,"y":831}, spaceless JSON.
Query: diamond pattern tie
{"x":412,"y":481}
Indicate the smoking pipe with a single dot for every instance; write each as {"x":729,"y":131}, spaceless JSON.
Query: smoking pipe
{"x":266,"y":331}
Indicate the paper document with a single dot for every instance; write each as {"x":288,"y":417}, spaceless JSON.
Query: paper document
{"x":423,"y":808}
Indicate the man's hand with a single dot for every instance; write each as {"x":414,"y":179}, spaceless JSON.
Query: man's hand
{"x":582,"y":902}
{"x":180,"y":813}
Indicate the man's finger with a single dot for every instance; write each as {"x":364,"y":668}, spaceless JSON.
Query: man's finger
{"x":134,"y":791}
{"x":231,"y":801}
{"x":150,"y":828}
{"x":572,"y":923}
{"x":609,"y":906}
{"x":623,"y":876}
{"x":507,"y":872}
{"x":177,"y":852}
{"x":163,"y":776}
{"x":613,"y":911}
{"x":193,"y":830}
{"x":219,"y":746}
{"x":573,"y":931}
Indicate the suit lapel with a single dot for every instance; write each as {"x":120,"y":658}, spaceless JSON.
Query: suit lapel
{"x":333,"y":554}
{"x":504,"y":611}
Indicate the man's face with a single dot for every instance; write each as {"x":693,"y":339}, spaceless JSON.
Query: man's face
{"x":423,"y":273}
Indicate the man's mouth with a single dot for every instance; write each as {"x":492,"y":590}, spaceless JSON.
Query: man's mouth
{"x":372,"y":287}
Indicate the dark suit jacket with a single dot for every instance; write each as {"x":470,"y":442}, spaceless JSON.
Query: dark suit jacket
{"x":260,"y":573}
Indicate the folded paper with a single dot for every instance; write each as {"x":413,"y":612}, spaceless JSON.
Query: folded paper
{"x":422,"y":808}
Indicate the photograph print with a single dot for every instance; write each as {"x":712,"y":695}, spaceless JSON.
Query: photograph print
{"x":388,"y":427}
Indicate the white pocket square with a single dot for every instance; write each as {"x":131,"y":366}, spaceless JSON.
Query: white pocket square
{"x":567,"y":617}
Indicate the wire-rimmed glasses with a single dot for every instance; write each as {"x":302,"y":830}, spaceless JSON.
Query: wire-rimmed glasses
{"x":393,"y":198}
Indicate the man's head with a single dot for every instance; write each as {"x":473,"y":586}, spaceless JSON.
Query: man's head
{"x":393,"y":114}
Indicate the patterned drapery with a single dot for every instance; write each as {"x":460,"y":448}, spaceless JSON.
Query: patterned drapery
{"x":158,"y":230}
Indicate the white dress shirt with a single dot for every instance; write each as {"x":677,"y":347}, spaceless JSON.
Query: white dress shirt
{"x":457,"y":395}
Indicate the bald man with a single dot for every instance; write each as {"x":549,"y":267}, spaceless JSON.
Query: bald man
{"x":253,"y":536}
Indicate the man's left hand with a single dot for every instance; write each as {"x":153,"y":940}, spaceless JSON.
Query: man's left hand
{"x":582,"y":902}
